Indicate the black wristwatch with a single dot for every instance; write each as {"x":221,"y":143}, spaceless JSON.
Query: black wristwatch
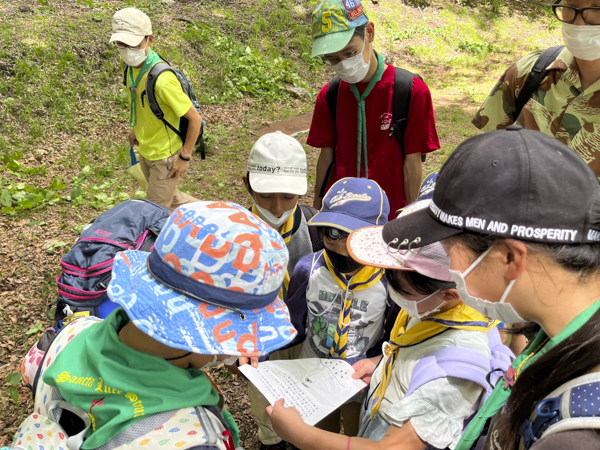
{"x":184,"y":158}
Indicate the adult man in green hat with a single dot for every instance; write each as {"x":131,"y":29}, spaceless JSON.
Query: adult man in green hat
{"x":358,"y":141}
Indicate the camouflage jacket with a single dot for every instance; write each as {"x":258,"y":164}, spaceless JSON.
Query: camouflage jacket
{"x":559,"y":108}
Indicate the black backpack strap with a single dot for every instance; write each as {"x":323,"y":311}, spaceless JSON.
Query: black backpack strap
{"x":125,"y":69}
{"x":153,"y":75}
{"x":315,"y":235}
{"x":332,"y":98}
{"x":403,"y":82}
{"x":535,"y":77}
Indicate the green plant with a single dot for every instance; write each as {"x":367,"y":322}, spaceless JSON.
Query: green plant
{"x":477,"y":47}
{"x":14,"y":380}
{"x":35,"y":329}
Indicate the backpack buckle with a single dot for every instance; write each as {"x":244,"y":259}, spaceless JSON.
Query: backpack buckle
{"x":545,"y":413}
{"x":394,"y":125}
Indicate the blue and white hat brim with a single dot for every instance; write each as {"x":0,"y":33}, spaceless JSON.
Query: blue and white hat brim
{"x":181,"y":322}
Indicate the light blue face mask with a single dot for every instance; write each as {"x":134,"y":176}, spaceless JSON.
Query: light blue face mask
{"x":495,"y":310}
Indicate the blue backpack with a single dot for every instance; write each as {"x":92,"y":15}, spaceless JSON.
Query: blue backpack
{"x":86,"y":268}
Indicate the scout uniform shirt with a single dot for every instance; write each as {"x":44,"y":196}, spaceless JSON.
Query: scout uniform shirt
{"x":321,"y":298}
{"x":559,"y":108}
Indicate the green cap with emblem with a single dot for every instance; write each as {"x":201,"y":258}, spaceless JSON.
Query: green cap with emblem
{"x":333,"y":24}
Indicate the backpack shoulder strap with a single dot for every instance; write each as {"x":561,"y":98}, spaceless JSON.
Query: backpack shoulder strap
{"x":459,"y":362}
{"x":125,"y":69}
{"x":315,"y":236}
{"x":574,"y":405}
{"x":535,"y":77}
{"x":154,"y":73}
{"x":332,"y":98}
{"x":403,"y":82}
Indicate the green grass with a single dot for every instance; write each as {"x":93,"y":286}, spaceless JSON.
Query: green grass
{"x":64,"y":89}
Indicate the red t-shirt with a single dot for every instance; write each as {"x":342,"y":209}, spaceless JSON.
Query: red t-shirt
{"x":384,"y":154}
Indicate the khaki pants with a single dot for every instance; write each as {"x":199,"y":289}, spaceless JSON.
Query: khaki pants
{"x":349,"y":412}
{"x":258,"y":402}
{"x":163,"y":190}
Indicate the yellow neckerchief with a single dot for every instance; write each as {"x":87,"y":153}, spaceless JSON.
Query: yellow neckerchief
{"x":461,"y":317}
{"x":286,"y":234}
{"x":363,"y":279}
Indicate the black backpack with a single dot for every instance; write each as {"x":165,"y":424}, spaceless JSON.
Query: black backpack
{"x":535,"y":78}
{"x":403,"y":82}
{"x":186,"y":85}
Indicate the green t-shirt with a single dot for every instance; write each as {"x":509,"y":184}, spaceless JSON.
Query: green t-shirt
{"x":498,"y":398}
{"x":118,"y":386}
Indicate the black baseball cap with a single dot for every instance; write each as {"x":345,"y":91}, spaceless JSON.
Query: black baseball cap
{"x":513,"y":183}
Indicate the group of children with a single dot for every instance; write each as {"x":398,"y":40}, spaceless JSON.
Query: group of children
{"x":226,"y":284}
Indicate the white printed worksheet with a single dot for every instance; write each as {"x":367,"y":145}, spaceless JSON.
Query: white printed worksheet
{"x":315,"y":387}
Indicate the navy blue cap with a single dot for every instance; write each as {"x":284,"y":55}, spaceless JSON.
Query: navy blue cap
{"x":426,"y":191}
{"x":353,"y":203}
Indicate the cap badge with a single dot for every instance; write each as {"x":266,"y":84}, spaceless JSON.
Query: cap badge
{"x":351,"y":4}
{"x":358,"y":11}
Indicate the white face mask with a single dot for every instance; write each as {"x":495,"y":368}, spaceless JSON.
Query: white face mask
{"x":275,"y":222}
{"x":495,"y":310}
{"x":355,"y":69}
{"x":583,"y":41}
{"x":228,"y":362}
{"x":133,"y":57}
{"x":412,"y":307}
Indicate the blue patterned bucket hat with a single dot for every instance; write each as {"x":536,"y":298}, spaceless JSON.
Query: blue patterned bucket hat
{"x":210,"y":284}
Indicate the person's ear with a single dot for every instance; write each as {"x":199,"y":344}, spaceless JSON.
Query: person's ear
{"x":247,"y":184}
{"x":150,"y":40}
{"x":515,"y":258}
{"x":450,"y":294}
{"x":370,"y":32}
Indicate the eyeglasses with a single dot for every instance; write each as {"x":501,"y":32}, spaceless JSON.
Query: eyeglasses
{"x":568,"y":14}
{"x":333,"y":61}
{"x":334,"y":234}
{"x":121,"y":45}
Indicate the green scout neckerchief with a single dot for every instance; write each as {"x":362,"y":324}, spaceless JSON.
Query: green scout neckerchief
{"x":498,"y":398}
{"x":152,"y":59}
{"x":362,"y":115}
{"x":133,"y":386}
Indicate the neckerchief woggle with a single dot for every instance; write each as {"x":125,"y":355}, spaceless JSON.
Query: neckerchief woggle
{"x":361,"y":137}
{"x":286,"y":233}
{"x":363,"y":279}
{"x":152,"y":59}
{"x":461,"y":317}
{"x":496,"y":401}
